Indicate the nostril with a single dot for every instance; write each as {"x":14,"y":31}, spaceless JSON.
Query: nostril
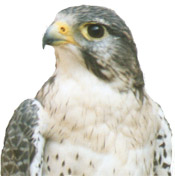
{"x":63,"y":29}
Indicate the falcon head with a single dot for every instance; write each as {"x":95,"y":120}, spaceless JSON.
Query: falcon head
{"x":100,"y":42}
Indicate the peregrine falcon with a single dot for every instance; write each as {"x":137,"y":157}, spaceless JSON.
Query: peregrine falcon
{"x":93,"y":116}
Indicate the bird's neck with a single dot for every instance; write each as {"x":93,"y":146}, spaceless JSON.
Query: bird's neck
{"x":72,"y":74}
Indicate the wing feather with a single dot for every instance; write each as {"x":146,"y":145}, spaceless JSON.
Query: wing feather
{"x":21,"y":141}
{"x":163,"y":150}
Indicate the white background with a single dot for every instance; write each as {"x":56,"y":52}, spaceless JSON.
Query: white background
{"x":25,"y":66}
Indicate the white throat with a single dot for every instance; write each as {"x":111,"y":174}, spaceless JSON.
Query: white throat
{"x":69,"y":60}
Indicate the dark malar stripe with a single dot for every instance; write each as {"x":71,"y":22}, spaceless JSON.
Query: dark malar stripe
{"x":92,"y":65}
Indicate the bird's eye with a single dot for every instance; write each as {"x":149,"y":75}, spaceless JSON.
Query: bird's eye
{"x":95,"y":30}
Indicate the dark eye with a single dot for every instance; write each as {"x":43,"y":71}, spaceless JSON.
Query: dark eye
{"x":95,"y":30}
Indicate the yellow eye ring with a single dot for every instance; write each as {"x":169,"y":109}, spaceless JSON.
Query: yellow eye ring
{"x":93,"y":31}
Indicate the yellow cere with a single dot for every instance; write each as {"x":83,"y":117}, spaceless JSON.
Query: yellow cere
{"x":65,"y":30}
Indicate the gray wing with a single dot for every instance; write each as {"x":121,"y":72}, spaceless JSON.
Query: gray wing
{"x":163,"y":150}
{"x":21,"y":142}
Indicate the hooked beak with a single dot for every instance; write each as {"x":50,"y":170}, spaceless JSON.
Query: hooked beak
{"x":58,"y":33}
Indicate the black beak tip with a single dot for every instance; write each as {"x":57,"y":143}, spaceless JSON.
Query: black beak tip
{"x":47,"y":40}
{"x":44,"y":42}
{"x":43,"y":45}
